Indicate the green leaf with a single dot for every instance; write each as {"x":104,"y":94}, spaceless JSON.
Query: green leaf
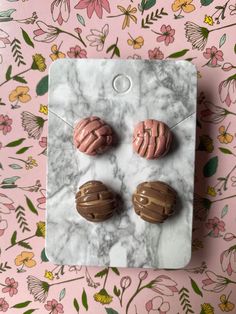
{"x":31,"y":205}
{"x":178,"y":54}
{"x":62,"y":294}
{"x":7,"y":13}
{"x":210,"y":167}
{"x":10,"y":180}
{"x":80,"y":19}
{"x":115,"y":270}
{"x":110,"y":48}
{"x":148,"y":4}
{"x":29,"y":311}
{"x":44,"y":256}
{"x":15,"y":143}
{"x":206,"y":2}
{"x":13,"y":238}
{"x":25,"y":245}
{"x":117,"y":51}
{"x":42,"y":86}
{"x":222,"y":40}
{"x":27,"y":38}
{"x":224,"y":211}
{"x":235,"y":48}
{"x":21,"y":305}
{"x":225,"y":150}
{"x":8,"y":73}
{"x":15,"y":166}
{"x":76,"y":305}
{"x":9,"y":186}
{"x":102,"y":273}
{"x":116,"y":291}
{"x":23,"y":149}
{"x":109,"y":310}
{"x":19,"y":79}
{"x":84,"y":300}
{"x":195,"y":287}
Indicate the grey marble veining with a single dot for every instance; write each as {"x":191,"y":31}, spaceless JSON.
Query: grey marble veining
{"x":163,"y":90}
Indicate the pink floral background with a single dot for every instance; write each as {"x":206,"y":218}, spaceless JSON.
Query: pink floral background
{"x":33,"y":34}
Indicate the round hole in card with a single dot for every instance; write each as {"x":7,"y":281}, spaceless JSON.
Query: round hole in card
{"x":121,"y":83}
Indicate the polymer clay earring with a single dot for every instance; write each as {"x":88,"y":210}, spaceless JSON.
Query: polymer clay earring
{"x":154,"y":201}
{"x":92,"y":136}
{"x":152,"y":139}
{"x":95,"y":202}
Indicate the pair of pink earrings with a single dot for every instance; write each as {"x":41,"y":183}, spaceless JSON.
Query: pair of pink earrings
{"x":151,"y":138}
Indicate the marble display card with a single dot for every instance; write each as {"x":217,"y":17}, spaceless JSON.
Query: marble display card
{"x":122,"y":92}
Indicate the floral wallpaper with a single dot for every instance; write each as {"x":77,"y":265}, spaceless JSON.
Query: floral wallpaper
{"x":33,"y":34}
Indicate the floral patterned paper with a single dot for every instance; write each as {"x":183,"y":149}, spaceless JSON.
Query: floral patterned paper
{"x":35,"y":34}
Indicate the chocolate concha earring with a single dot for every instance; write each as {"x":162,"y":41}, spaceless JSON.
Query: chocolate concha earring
{"x":154,"y":201}
{"x":152,"y":139}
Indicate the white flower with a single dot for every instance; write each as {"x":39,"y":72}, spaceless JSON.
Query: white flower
{"x":214,"y":283}
{"x":5,"y":204}
{"x":196,"y":35}
{"x":45,"y":33}
{"x":228,"y":260}
{"x":3,"y":39}
{"x":97,"y":38}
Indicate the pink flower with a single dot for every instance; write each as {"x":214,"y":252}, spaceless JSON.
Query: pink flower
{"x":3,"y":226}
{"x":5,"y":124}
{"x":164,"y":285}
{"x":60,"y":10}
{"x":216,"y":225}
{"x":156,"y":305}
{"x":167,"y":34}
{"x":228,"y":260}
{"x":77,"y":52}
{"x":45,"y":33}
{"x":214,"y":283}
{"x":43,"y":142}
{"x":143,"y":275}
{"x":54,"y":307}
{"x":78,"y":30}
{"x":94,"y":5}
{"x":3,"y":305}
{"x":41,"y":200}
{"x":10,"y":287}
{"x":227,"y":90}
{"x":156,"y":53}
{"x":6,"y":204}
{"x":214,"y":55}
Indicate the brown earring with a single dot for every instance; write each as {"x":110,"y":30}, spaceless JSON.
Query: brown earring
{"x":154,"y":201}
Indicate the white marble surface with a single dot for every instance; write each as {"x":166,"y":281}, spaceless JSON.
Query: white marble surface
{"x":163,"y":90}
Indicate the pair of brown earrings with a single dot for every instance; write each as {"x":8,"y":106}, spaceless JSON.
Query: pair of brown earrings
{"x":153,"y":201}
{"x":151,"y":138}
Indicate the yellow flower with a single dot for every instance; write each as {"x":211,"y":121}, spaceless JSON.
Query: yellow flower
{"x":184,"y":5}
{"x":128,"y":13}
{"x":20,"y":94}
{"x":137,"y":43}
{"x":225,"y":305}
{"x":209,"y":20}
{"x":38,"y":63}
{"x":211,"y":191}
{"x":56,"y":54}
{"x":224,"y":137}
{"x":49,"y":275}
{"x":25,"y":258}
{"x":43,"y":109}
{"x":30,"y":163}
{"x":40,"y":232}
{"x":103,"y":297}
{"x":207,"y":309}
